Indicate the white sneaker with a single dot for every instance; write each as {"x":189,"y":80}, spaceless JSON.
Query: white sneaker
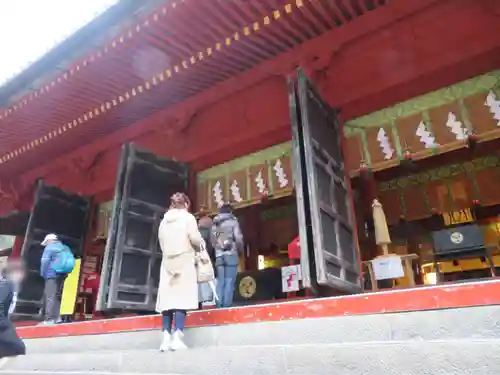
{"x":167,"y":342}
{"x":177,"y":343}
{"x":47,"y":323}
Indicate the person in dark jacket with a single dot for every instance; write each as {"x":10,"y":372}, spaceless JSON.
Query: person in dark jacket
{"x":11,"y":277}
{"x":205,"y":228}
{"x":227,"y":240}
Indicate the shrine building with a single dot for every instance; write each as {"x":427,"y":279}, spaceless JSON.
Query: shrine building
{"x":357,"y":141}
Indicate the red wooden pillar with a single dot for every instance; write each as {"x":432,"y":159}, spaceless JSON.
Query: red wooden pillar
{"x":16,"y":248}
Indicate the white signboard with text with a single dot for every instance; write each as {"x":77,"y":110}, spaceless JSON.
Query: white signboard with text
{"x":389,"y":267}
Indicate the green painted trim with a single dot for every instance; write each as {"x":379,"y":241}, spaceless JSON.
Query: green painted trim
{"x":209,"y":196}
{"x":240,"y":164}
{"x":428,"y":123}
{"x":364,"y":144}
{"x":249,"y":184}
{"x":270,"y":171}
{"x":496,"y":89}
{"x":397,"y":141}
{"x":465,"y":115}
{"x":483,"y":83}
{"x":350,"y":130}
{"x":442,"y":173}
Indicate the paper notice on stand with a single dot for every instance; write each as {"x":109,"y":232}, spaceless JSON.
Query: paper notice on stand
{"x":290,"y":276}
{"x":389,"y":267}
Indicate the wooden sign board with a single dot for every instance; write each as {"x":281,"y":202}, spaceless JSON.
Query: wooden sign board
{"x":458,"y":217}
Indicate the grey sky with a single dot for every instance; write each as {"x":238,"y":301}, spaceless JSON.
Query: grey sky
{"x":30,"y":28}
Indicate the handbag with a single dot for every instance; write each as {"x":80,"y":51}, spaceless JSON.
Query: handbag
{"x":203,"y":264}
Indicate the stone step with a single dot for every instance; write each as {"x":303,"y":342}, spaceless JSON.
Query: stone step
{"x":438,"y":357}
{"x":455,"y":324}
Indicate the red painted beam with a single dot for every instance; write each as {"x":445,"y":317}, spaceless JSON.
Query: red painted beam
{"x":459,"y":62}
{"x":426,"y":82}
{"x":473,"y":49}
{"x":418,"y":299}
{"x":280,"y":65}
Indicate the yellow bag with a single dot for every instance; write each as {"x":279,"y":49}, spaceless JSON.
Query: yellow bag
{"x":204,"y":269}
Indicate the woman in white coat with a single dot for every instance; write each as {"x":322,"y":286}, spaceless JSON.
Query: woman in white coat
{"x":179,"y":238}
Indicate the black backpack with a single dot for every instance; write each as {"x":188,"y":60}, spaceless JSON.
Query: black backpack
{"x":224,"y":237}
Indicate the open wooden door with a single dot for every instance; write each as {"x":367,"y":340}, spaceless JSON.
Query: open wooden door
{"x":131,"y":266}
{"x":329,"y":255}
{"x":54,"y":211}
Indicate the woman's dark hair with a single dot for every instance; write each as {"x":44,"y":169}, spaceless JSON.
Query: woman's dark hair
{"x":179,"y":201}
{"x":13,"y":265}
{"x":226,"y":209}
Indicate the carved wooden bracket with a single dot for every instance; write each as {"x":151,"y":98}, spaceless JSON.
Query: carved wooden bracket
{"x":17,"y":193}
{"x":315,"y":66}
{"x":85,"y":164}
{"x":186,"y":120}
{"x":83,"y":168}
{"x":170,"y":126}
{"x":26,"y":195}
{"x":8,"y":191}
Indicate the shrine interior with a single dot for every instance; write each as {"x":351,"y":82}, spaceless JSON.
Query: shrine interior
{"x":425,"y":207}
{"x":268,"y":228}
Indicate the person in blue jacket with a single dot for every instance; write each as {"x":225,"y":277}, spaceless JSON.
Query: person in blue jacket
{"x":53,"y":281}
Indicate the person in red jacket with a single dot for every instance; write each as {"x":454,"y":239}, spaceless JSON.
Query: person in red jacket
{"x":294,"y":250}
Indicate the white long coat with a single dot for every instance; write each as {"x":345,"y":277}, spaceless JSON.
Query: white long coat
{"x":178,"y":236}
